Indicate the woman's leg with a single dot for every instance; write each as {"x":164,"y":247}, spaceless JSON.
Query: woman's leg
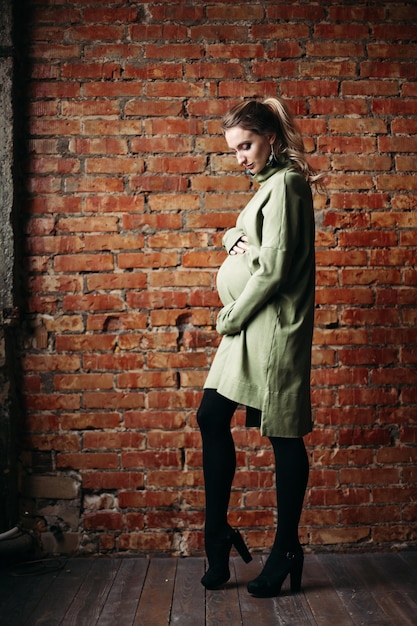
{"x":219,"y":458}
{"x":219,"y":464}
{"x":286,"y":557}
{"x":292,"y":469}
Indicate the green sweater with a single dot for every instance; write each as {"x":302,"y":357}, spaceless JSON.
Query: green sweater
{"x":264,"y":358}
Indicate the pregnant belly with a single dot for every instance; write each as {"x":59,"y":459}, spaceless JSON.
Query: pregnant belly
{"x":232,"y":277}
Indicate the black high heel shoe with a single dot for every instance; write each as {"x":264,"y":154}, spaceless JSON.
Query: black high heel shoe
{"x":218,"y":552}
{"x":277,"y":567}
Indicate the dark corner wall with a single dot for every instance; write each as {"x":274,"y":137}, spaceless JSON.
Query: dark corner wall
{"x":8,"y":426}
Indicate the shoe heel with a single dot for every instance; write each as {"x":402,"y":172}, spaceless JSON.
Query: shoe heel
{"x":240,"y":546}
{"x":296,"y":573}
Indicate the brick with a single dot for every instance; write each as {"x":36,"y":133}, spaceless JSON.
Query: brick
{"x":370,"y":88}
{"x":382,"y":69}
{"x":85,"y":421}
{"x":202,"y":259}
{"x":321,"y":478}
{"x":51,"y":487}
{"x":112,"y":242}
{"x":409,"y":434}
{"x":370,"y":239}
{"x":400,"y":533}
{"x":340,"y":31}
{"x":75,"y":343}
{"x":112,"y":440}
{"x":144,"y":541}
{"x":146,"y":341}
{"x":92,"y":108}
{"x":342,"y":456}
{"x":110,"y":14}
{"x":57,"y":51}
{"x":156,"y":182}
{"x":135,"y":280}
{"x":390,"y":495}
{"x":362,"y":126}
{"x":173,"y":90}
{"x":340,"y":535}
{"x":170,"y":317}
{"x":103,"y":520}
{"x":374,"y":476}
{"x":172,"y":478}
{"x":177,"y":360}
{"x":139,"y":499}
{"x":370,"y":515}
{"x":332,"y":106}
{"x":213,"y":70}
{"x":153,"y":419}
{"x":357,"y":13}
{"x":176,"y":164}
{"x":397,"y":144}
{"x":145,"y":380}
{"x":397,"y":182}
{"x":362,"y":436}
{"x":237,"y":51}
{"x":87,"y":460}
{"x":186,"y":240}
{"x":339,"y":376}
{"x":83,"y":381}
{"x":112,"y":361}
{"x":112,"y":480}
{"x":347,"y":144}
{"x":54,"y":442}
{"x":150,"y":459}
{"x":161,"y":439}
{"x":113,"y":400}
{"x":147,"y":259}
{"x":370,"y":317}
{"x":334,"y":49}
{"x":96,"y":145}
{"x":328,"y":68}
{"x":94,"y":302}
{"x":340,"y":258}
{"x":57,"y":402}
{"x":161,"y":144}
{"x":369,"y":277}
{"x":96,"y":32}
{"x":114,"y":165}
{"x":344,"y":296}
{"x":348,"y":162}
{"x":405,"y":163}
{"x":162,"y":108}
{"x":339,"y":497}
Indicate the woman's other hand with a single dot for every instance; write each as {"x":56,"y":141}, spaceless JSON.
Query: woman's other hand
{"x":241,"y":246}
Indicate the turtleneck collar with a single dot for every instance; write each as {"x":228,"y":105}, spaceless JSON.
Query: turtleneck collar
{"x":281,"y":162}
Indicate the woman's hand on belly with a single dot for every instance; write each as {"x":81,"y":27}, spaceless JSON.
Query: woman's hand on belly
{"x":241,"y":246}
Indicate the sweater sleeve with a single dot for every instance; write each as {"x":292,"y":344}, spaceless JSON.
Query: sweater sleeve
{"x":280,"y":235}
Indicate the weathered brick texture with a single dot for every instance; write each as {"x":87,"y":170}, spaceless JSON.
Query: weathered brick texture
{"x":129,"y":187}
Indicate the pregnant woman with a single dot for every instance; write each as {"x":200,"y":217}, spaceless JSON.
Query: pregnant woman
{"x":266,"y":285}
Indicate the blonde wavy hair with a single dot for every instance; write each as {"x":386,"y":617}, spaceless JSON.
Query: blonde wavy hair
{"x":272,"y":116}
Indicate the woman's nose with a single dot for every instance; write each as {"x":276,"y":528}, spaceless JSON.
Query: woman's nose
{"x":240,"y":159}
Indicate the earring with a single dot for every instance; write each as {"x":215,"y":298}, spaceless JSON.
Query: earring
{"x":272,"y":159}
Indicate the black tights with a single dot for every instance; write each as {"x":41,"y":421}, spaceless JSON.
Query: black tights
{"x":219,"y":464}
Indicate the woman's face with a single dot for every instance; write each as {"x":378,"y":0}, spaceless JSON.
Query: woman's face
{"x":252,"y":150}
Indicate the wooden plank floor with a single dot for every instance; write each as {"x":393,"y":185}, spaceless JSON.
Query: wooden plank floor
{"x":378,"y":589}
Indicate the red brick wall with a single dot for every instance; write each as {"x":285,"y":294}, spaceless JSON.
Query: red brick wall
{"x":129,"y":188}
